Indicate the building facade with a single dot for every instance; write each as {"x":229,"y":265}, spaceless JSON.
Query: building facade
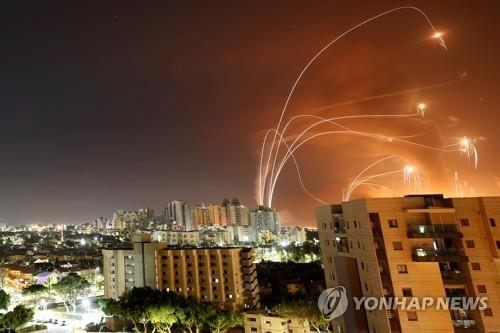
{"x":296,"y":235}
{"x":224,"y":276}
{"x":177,"y":238}
{"x":414,"y":246}
{"x":178,"y":215}
{"x":264,"y":218}
{"x":234,"y":213}
{"x":124,"y":269}
{"x":262,"y":321}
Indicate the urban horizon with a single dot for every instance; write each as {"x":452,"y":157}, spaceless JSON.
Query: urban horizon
{"x":348,"y":152}
{"x":135,"y":112}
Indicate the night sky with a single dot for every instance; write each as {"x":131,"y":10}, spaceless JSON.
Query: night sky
{"x":110,"y":105}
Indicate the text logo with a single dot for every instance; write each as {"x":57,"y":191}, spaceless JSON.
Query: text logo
{"x":333,"y":302}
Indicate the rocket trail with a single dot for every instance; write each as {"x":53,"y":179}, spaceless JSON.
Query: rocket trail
{"x":313,"y":59}
{"x":368,"y":168}
{"x":306,"y":191}
{"x":382,"y":96}
{"x":350,"y":132}
{"x":274,"y":175}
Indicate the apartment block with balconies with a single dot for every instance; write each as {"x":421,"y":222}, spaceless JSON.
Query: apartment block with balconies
{"x":224,"y":276}
{"x":418,"y":246}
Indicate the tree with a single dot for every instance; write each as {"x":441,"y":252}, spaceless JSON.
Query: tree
{"x":34,"y":293}
{"x":195,"y":317}
{"x":16,"y":318}
{"x":71,"y":288}
{"x":135,"y":306}
{"x":305,"y":309}
{"x":220,"y":321}
{"x":4,"y":299}
{"x":163,"y":317}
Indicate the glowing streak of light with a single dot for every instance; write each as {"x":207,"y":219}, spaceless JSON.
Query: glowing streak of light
{"x":322,"y":120}
{"x":410,"y":176}
{"x":377,"y":136}
{"x":367,"y":178}
{"x":349,"y":189}
{"x":275,"y":175}
{"x":462,"y":188}
{"x":350,"y":132}
{"x":387,"y":188}
{"x":261,"y":186}
{"x":392,"y":94}
{"x":306,"y":191}
{"x":311,"y":61}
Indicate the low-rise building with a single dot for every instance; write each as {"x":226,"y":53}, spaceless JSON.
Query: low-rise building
{"x":216,"y":235}
{"x":243,"y":233}
{"x":269,"y":322}
{"x":177,"y":238}
{"x":296,"y":235}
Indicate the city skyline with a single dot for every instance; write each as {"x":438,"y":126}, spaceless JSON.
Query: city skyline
{"x":120,"y":107}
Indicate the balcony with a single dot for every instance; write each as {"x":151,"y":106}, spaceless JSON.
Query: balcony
{"x":433,"y":231}
{"x":440,"y":255}
{"x":341,"y":244}
{"x":465,"y":326}
{"x":453,"y":277}
{"x":339,"y":229}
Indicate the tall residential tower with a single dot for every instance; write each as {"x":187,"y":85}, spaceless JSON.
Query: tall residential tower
{"x":414,"y":246}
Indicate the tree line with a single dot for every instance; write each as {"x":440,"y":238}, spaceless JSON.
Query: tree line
{"x":161,"y":311}
{"x":17,"y":317}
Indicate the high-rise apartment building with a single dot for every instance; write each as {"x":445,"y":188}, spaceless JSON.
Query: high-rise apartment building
{"x":178,"y":215}
{"x":415,"y":246}
{"x":214,"y":212}
{"x":264,"y":218}
{"x":100,"y":224}
{"x":224,"y":276}
{"x":234,"y":213}
{"x":118,"y":271}
{"x":126,"y":268}
{"x":146,"y":217}
{"x":125,"y":219}
{"x":200,"y":215}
